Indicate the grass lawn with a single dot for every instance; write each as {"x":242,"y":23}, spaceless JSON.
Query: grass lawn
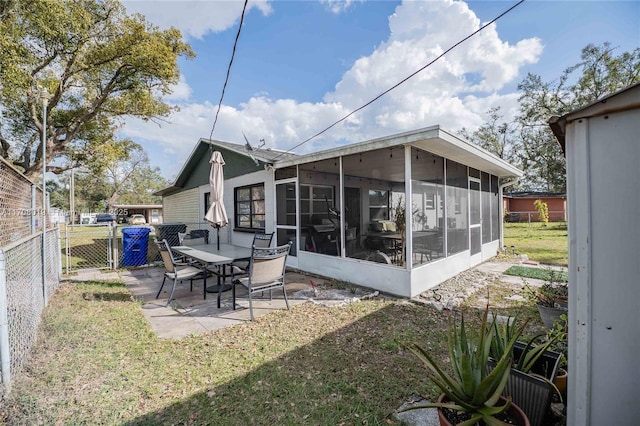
{"x":538,"y":273}
{"x":548,"y":245}
{"x":97,"y":362}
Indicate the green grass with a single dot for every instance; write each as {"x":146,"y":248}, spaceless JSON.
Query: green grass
{"x":547,"y":245}
{"x":538,"y":273}
{"x":97,"y":362}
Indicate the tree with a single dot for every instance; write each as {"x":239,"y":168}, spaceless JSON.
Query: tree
{"x":600,"y":73}
{"x":99,"y":65}
{"x":122,"y":175}
{"x":496,"y":136}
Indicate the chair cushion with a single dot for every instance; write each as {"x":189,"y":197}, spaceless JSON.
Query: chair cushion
{"x":257,"y":287}
{"x":184,"y":273}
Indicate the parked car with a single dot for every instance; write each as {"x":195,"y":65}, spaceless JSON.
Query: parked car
{"x":137,"y":219}
{"x":104,"y":218}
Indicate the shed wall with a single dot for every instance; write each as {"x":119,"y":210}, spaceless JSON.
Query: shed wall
{"x":603,"y":178}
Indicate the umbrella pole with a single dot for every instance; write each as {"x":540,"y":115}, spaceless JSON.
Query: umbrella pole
{"x":218,"y":232}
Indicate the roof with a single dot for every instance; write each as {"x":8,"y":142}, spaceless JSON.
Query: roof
{"x":622,"y":100}
{"x":137,"y":206}
{"x":433,"y":139}
{"x":260,"y":156}
{"x":535,"y":194}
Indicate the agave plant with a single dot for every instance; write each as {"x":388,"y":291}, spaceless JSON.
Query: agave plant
{"x":472,"y":388}
{"x":503,"y":333}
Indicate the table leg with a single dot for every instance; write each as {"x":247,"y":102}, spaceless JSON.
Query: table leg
{"x":220,"y":287}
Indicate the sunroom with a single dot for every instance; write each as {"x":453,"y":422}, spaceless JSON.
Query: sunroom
{"x":398,"y":214}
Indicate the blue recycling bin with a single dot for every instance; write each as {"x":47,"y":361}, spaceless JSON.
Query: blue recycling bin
{"x":134,"y":246}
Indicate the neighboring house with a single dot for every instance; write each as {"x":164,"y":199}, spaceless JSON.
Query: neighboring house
{"x":151,"y":212}
{"x":602,"y":148}
{"x":342,"y":209}
{"x":520,"y":206}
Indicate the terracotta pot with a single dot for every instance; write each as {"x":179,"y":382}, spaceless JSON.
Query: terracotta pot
{"x":518,"y":416}
{"x":561,"y":382}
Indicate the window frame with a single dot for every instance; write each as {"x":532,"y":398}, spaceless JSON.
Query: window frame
{"x":252,"y":213}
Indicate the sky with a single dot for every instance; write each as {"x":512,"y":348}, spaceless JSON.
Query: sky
{"x":302,"y":65}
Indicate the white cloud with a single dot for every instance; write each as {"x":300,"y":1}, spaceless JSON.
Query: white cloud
{"x":338,"y":6}
{"x":194,"y":18}
{"x":179,"y":92}
{"x":454,"y":92}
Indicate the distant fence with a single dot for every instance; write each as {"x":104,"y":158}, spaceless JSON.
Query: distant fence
{"x":24,"y":292}
{"x":534,"y":216}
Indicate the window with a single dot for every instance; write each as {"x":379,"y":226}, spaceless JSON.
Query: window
{"x":316,"y":202}
{"x":250,"y":207}
{"x":378,"y":204}
{"x":207,"y":202}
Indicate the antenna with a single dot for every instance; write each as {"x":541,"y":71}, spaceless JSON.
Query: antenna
{"x":249,"y":148}
{"x":247,"y":145}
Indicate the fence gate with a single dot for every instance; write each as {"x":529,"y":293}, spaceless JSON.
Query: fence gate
{"x":87,"y":246}
{"x":101,"y":247}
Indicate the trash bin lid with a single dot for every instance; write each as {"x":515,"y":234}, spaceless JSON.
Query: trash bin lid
{"x":139,"y":231}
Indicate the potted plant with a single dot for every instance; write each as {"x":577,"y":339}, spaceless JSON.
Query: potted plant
{"x":534,"y":368}
{"x":550,"y":298}
{"x":558,"y":334}
{"x":472,"y":393}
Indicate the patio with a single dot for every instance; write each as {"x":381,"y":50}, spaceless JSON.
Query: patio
{"x":190,"y":314}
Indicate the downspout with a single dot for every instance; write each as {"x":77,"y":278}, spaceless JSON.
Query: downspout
{"x":501,"y":187}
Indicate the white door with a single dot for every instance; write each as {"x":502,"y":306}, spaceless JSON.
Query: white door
{"x":287,"y":217}
{"x":475,"y":218}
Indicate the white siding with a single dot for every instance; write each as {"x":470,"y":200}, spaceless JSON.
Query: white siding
{"x":603,"y":177}
{"x":182,"y":207}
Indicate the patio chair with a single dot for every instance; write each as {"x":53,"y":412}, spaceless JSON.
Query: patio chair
{"x":260,"y":240}
{"x":266,"y":272}
{"x":174,"y":270}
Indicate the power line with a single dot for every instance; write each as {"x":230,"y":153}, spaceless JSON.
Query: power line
{"x":226,"y":80}
{"x":403,"y":80}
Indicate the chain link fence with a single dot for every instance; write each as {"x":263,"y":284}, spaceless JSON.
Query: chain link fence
{"x":534,"y":216}
{"x":24,"y":292}
{"x":113,"y":246}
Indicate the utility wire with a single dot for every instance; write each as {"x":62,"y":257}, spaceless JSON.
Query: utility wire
{"x":403,"y":80}
{"x":226,"y":80}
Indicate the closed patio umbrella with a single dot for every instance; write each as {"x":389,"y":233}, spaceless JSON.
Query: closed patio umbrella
{"x":217,"y":215}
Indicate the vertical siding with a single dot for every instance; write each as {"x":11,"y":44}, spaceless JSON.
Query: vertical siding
{"x":182,"y":207}
{"x":614,"y":156}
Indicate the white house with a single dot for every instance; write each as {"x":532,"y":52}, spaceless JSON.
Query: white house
{"x":343,"y":209}
{"x":602,"y":148}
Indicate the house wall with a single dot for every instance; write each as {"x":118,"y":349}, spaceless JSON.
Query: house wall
{"x":528,"y":212}
{"x":603,"y":176}
{"x":181,"y":207}
{"x":391,"y":279}
{"x":243,"y":238}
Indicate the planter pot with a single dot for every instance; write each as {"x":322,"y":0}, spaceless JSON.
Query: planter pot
{"x":546,"y":366}
{"x":550,"y":315}
{"x":532,"y":392}
{"x":514,"y":412}
{"x":561,"y":383}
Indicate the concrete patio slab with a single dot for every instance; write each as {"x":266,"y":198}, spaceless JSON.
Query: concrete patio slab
{"x":189,"y":313}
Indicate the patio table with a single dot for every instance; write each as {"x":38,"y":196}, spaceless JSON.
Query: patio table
{"x":210,"y":255}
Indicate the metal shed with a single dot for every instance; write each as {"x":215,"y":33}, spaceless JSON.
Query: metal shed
{"x":602,"y":148}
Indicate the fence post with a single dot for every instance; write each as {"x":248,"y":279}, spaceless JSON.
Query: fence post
{"x":5,"y":354}
{"x":114,"y":245}
{"x":34,"y":207}
{"x":67,"y":249}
